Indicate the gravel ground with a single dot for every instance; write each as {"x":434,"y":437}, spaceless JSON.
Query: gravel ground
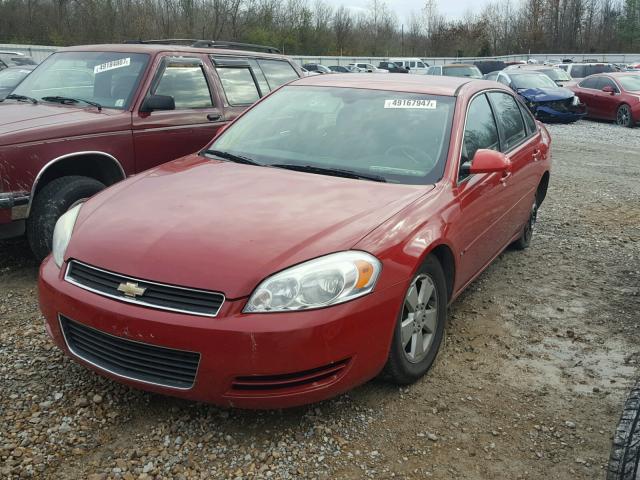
{"x":529,"y":384}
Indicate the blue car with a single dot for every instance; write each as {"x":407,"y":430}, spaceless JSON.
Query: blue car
{"x":546,"y":100}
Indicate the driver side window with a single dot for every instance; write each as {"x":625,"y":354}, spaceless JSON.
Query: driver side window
{"x":480,"y":131}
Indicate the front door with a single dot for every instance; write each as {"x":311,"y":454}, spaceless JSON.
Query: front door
{"x":161,"y":136}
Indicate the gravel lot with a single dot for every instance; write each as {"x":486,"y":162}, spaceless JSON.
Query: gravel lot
{"x":539,"y":354}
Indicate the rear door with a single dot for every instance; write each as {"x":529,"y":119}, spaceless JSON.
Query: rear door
{"x":519,"y":140}
{"x":161,"y":136}
{"x":587,"y":90}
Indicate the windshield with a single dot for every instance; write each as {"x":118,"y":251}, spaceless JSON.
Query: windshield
{"x":402,"y":137}
{"x":10,"y":77}
{"x":531,"y":80}
{"x":557,"y":74}
{"x":472,"y":72}
{"x":631,"y":83}
{"x":107,"y":78}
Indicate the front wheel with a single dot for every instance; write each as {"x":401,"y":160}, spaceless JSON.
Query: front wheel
{"x":624,"y":462}
{"x":55,"y":198}
{"x":624,"y":117}
{"x":420,"y":325}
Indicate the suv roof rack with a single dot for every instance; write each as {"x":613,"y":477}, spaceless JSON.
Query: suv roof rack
{"x":193,"y":42}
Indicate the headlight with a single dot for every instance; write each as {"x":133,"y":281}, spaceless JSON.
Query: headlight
{"x":324,"y":281}
{"x":62,"y":234}
{"x":576,"y":100}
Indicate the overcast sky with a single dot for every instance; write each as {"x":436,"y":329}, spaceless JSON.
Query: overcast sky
{"x":402,"y":8}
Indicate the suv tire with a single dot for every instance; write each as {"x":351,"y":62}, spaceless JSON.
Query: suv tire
{"x":624,"y":462}
{"x":55,"y":198}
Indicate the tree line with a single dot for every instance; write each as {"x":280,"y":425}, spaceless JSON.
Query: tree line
{"x":313,"y":27}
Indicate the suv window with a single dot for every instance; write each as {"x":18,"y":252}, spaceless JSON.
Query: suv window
{"x":421,"y":65}
{"x":257,"y":72}
{"x":239,"y":85}
{"x":278,"y":72}
{"x":509,"y":119}
{"x":480,"y":129}
{"x":578,"y":71}
{"x":185,"y":81}
{"x":593,"y":69}
{"x":589,"y":83}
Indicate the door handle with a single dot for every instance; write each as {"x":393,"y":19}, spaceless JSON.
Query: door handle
{"x":536,"y":154}
{"x":212,"y":117}
{"x":505,"y":177}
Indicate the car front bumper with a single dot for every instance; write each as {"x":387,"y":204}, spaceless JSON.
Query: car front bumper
{"x":14,"y":207}
{"x":549,"y":114}
{"x":268,"y":360}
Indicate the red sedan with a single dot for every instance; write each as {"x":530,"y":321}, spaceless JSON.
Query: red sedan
{"x":611,"y":96}
{"x":313,"y":245}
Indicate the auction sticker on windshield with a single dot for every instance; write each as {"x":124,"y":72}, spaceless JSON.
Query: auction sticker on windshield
{"x":410,"y":103}
{"x":112,"y":65}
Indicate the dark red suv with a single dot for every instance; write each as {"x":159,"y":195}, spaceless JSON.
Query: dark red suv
{"x":90,"y":116}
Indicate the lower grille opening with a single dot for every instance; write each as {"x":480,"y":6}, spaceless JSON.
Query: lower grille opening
{"x":130,"y":359}
{"x":320,"y":375}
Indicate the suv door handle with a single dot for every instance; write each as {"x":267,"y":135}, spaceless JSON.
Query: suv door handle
{"x":536,"y":154}
{"x":212,"y":117}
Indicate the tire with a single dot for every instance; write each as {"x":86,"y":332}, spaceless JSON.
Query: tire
{"x":524,"y":241}
{"x":400,"y":367}
{"x":55,"y":198}
{"x":624,"y":461}
{"x":624,"y":118}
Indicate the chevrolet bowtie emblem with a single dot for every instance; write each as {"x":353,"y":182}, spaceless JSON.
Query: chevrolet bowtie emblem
{"x":131,"y":289}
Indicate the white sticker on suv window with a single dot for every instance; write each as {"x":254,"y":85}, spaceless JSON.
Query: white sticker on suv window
{"x":408,"y":103}
{"x":112,"y":65}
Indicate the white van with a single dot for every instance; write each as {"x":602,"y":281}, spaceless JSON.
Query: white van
{"x":415,"y":65}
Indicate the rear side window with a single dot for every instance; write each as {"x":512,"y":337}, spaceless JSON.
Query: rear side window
{"x":184,"y":80}
{"x":480,"y":129}
{"x":238,"y":85}
{"x":509,"y":119}
{"x":278,"y":72}
{"x":605,"y":82}
{"x":529,"y":121}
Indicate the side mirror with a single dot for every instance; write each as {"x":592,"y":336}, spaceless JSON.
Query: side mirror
{"x":158,"y":102}
{"x":488,"y":161}
{"x":608,"y":89}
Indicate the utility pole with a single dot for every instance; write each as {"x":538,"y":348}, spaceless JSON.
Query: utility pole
{"x":402,"y":36}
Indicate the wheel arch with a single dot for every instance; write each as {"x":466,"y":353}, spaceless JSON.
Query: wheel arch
{"x":541,"y":192}
{"x":99,"y":165}
{"x":444,"y":255}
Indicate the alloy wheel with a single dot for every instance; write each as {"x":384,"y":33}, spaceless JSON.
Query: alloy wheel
{"x":623,"y":116}
{"x":419,"y":318}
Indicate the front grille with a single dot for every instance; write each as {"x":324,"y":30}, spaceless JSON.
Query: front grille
{"x":314,"y":377}
{"x":134,"y":360}
{"x":156,"y":295}
{"x":560,"y":105}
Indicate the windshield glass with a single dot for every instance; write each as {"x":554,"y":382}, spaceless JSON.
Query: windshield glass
{"x":10,"y":77}
{"x":402,"y":137}
{"x":630,"y":83}
{"x":532,"y":80}
{"x":472,"y":72}
{"x":108,"y":78}
{"x":557,"y":74}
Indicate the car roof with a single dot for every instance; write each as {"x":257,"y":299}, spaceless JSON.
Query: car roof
{"x":432,"y":85}
{"x":458,"y":65}
{"x":157,"y":48}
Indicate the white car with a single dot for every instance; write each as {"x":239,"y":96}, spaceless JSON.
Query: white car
{"x":367,"y":67}
{"x":415,"y":65}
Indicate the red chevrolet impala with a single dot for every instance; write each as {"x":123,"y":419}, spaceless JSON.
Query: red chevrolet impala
{"x":313,"y":245}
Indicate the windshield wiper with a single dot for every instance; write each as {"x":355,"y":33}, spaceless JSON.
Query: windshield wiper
{"x":67,"y":100}
{"x":336,"y":172}
{"x":232,"y":157}
{"x":21,"y":98}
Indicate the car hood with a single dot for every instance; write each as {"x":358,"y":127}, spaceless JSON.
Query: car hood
{"x":223,"y":226}
{"x":24,"y":122}
{"x":545,"y":94}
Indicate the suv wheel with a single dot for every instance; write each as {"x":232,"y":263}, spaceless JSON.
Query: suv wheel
{"x":51,"y":203}
{"x":624,"y":463}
